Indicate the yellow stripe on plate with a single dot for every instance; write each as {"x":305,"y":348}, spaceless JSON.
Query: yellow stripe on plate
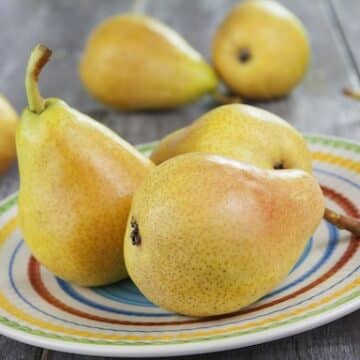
{"x":11,"y":309}
{"x":337,"y":160}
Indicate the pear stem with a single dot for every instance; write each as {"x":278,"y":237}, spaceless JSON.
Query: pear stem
{"x":343,"y":222}
{"x":351,"y":93}
{"x":40,"y":55}
{"x":226,"y":99}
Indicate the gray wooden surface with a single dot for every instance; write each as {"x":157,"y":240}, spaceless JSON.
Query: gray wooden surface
{"x":315,"y":106}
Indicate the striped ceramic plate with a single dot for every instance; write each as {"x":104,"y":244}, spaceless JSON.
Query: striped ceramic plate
{"x":40,"y":309}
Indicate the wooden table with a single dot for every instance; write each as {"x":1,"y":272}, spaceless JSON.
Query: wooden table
{"x":317,"y":105}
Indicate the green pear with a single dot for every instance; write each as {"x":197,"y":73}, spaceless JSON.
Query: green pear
{"x":135,"y":62}
{"x":242,"y":132}
{"x":208,"y":235}
{"x":77,"y":179}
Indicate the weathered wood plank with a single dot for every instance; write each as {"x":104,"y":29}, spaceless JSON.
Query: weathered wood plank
{"x":13,"y":350}
{"x":347,"y":14}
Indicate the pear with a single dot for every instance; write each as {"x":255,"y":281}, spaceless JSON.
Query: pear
{"x":208,"y":235}
{"x":242,"y":132}
{"x":261,"y":50}
{"x":77,"y":179}
{"x":250,"y":135}
{"x":134,"y":62}
{"x":8,"y":122}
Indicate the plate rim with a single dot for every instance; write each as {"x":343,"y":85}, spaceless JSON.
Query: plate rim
{"x":194,"y":347}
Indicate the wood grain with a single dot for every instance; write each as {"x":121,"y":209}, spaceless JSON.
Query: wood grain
{"x":315,"y":106}
{"x":347,"y":14}
{"x":13,"y":350}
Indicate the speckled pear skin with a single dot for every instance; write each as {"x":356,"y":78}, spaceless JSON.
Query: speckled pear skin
{"x":77,"y":179}
{"x":134,"y":62}
{"x":241,"y":132}
{"x":261,"y":50}
{"x":216,"y":234}
{"x":8,"y":122}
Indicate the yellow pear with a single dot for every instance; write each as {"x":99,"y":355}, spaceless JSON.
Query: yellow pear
{"x":261,"y":50}
{"x":77,"y":179}
{"x":208,"y":235}
{"x":8,"y":122}
{"x":242,"y":132}
{"x":250,"y":135}
{"x":134,"y":62}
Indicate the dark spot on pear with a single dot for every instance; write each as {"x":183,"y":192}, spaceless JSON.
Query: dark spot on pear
{"x":135,"y":234}
{"x":279,"y":166}
{"x":244,"y":55}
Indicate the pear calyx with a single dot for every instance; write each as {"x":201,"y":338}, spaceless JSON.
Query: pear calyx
{"x":40,"y":55}
{"x":135,"y":234}
{"x":244,"y":55}
{"x":279,"y":165}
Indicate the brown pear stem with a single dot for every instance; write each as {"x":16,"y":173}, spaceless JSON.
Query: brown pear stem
{"x":226,"y":99}
{"x":40,"y":55}
{"x":351,"y":93}
{"x":343,"y":222}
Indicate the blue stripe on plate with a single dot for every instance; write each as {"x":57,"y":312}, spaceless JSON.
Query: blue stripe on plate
{"x":170,"y":330}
